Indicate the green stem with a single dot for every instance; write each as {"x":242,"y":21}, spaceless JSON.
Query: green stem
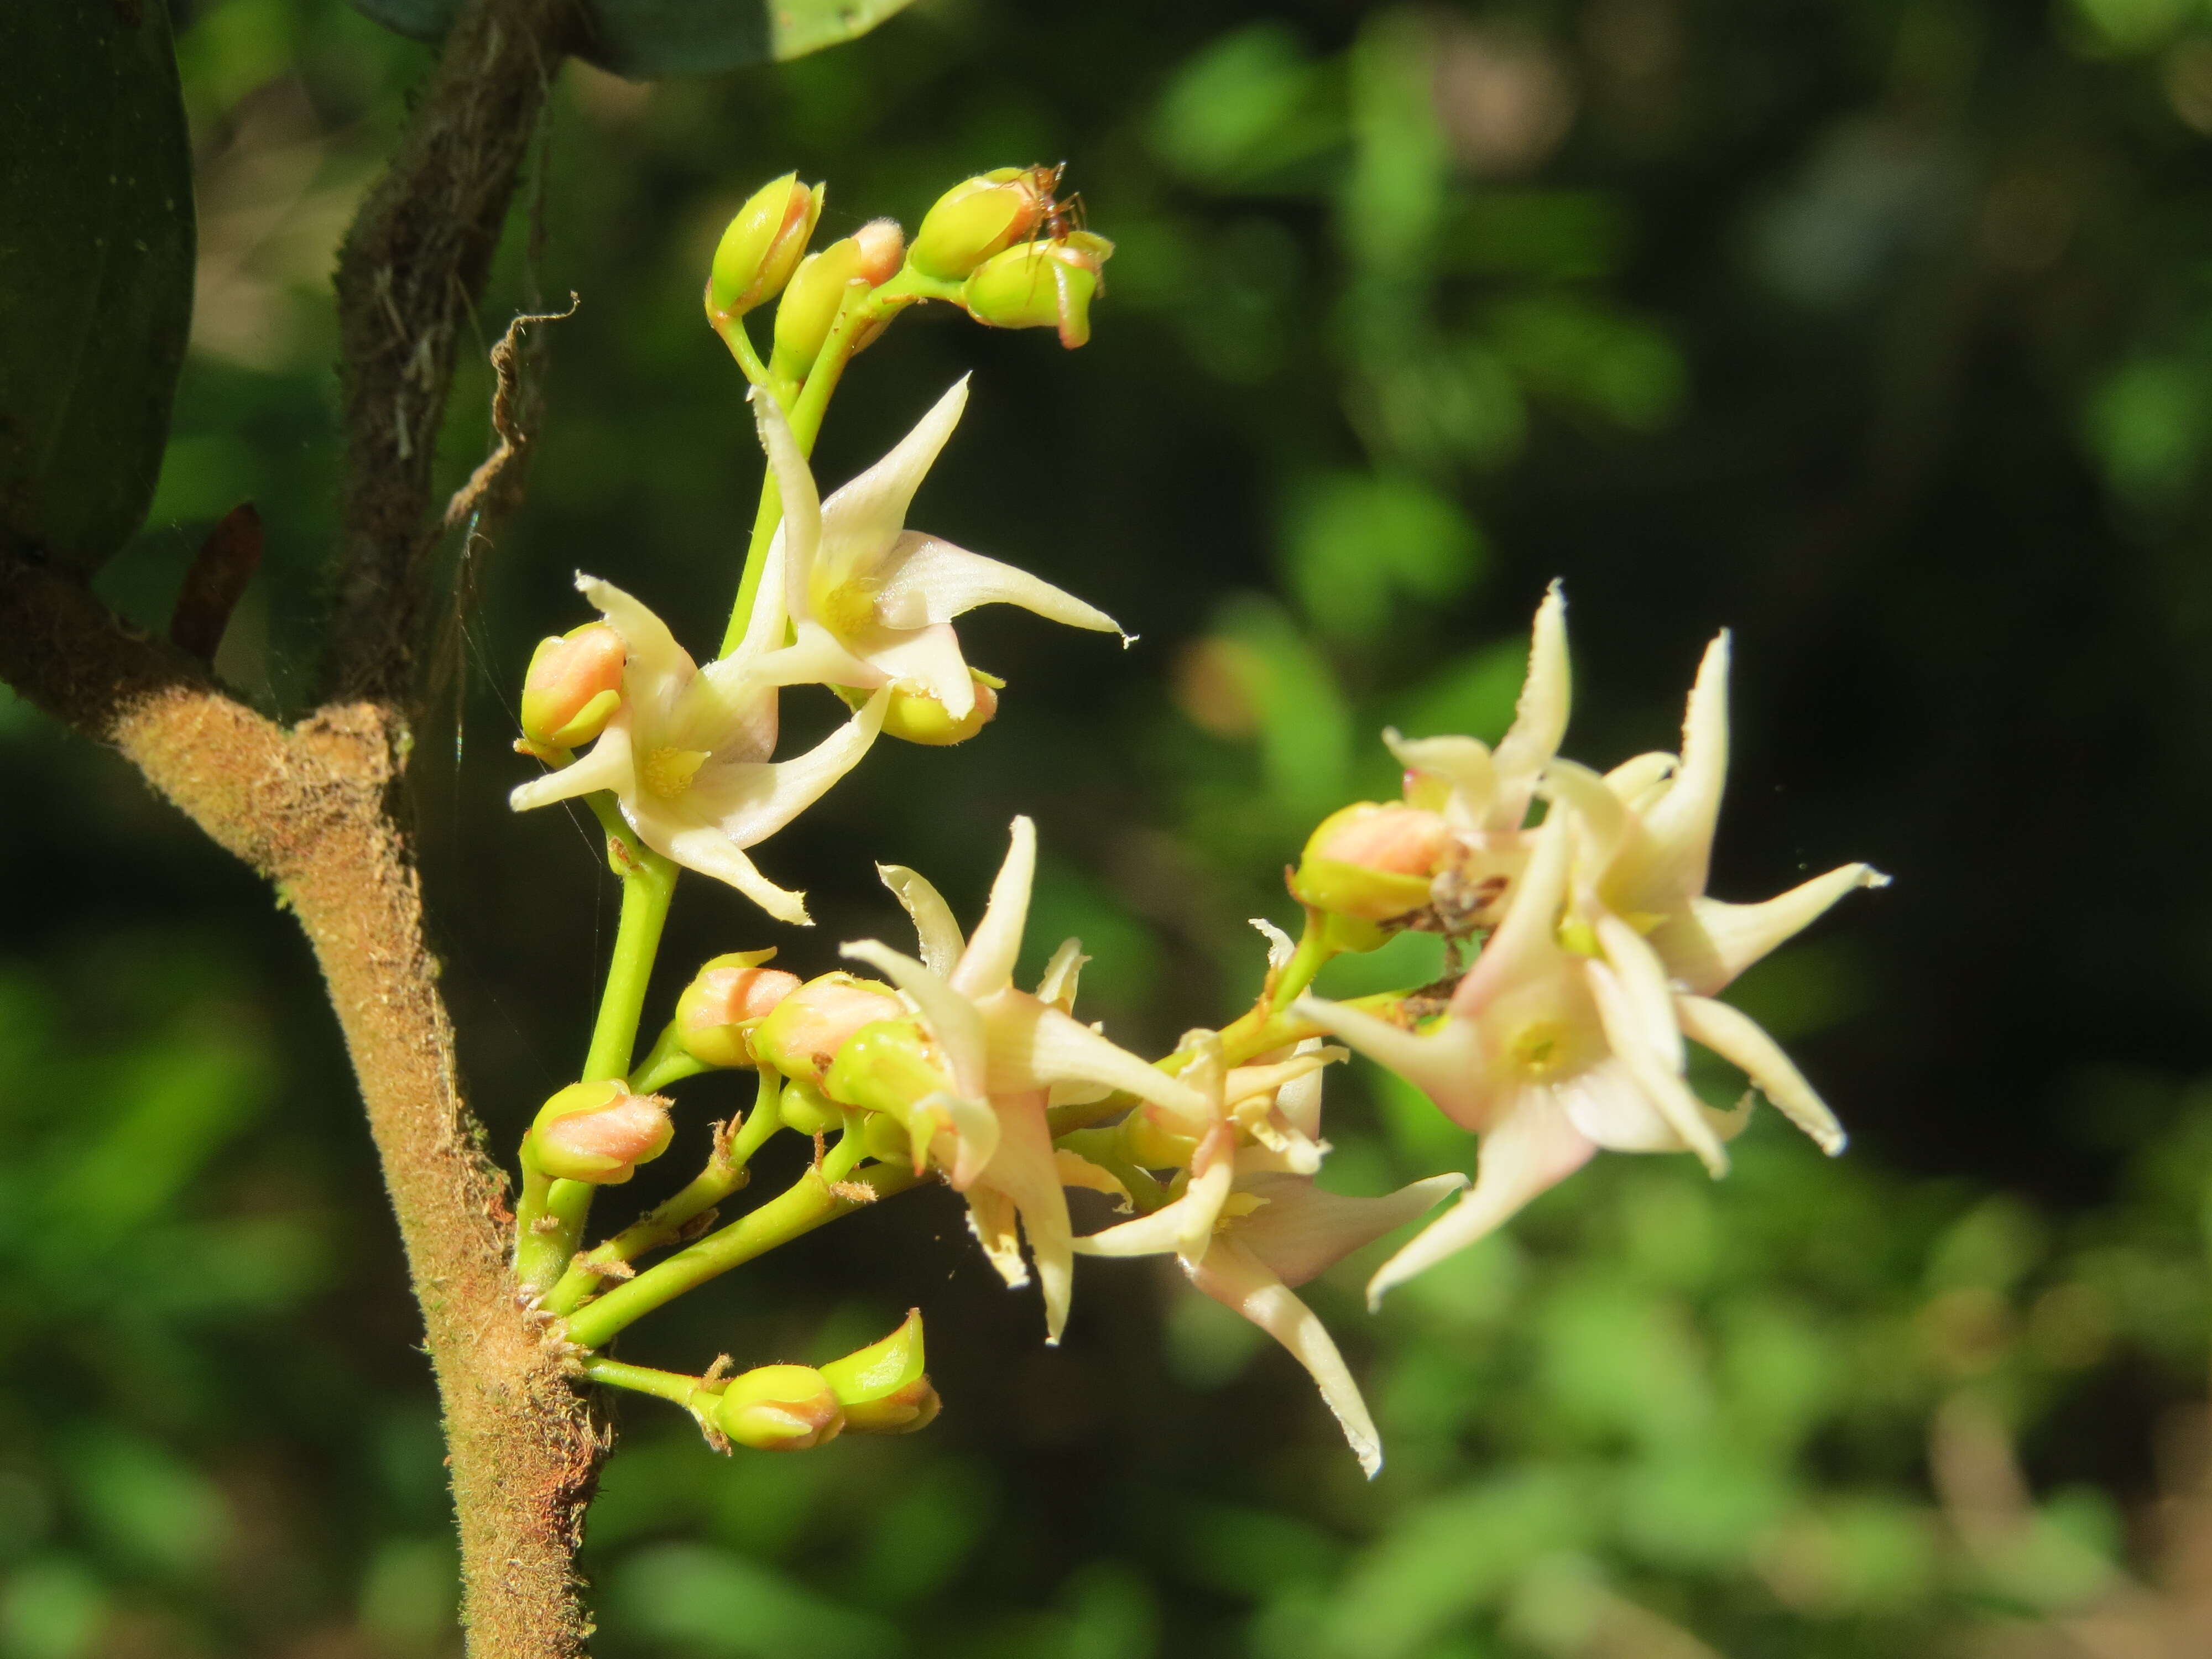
{"x":547,"y":1239}
{"x":1314,"y":953}
{"x":665,"y":1063}
{"x":726,"y":1172}
{"x":662,"y":1385}
{"x":803,"y":1207}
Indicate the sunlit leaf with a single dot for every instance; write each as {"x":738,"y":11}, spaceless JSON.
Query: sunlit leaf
{"x":96,"y":249}
{"x":648,"y":39}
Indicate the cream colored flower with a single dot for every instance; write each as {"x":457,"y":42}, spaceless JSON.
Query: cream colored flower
{"x":686,"y":752}
{"x":1005,"y":1050}
{"x":871,"y":602}
{"x":1566,"y":1035}
{"x":1247,"y":1229}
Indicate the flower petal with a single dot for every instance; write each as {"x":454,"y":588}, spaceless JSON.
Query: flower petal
{"x":1241,"y":1282}
{"x":957,"y":1022}
{"x":988,"y":963}
{"x":708,"y":850}
{"x":939,"y":934}
{"x":751,"y":800}
{"x":991,"y":1218}
{"x":1463,"y":763}
{"x":1057,"y":987}
{"x":1023,"y":1169}
{"x":1533,"y":1149}
{"x":1539,"y":717}
{"x":928,"y":658}
{"x":1077,"y":1171}
{"x":1033,"y":1045}
{"x":1445,"y":1064}
{"x":1525,"y":946}
{"x":928,"y":580}
{"x":801,"y":529}
{"x":1736,"y":1037}
{"x":1708,"y":947}
{"x":861,"y":521}
{"x":654,"y":668}
{"x":815,"y":657}
{"x":1678,"y":830}
{"x":1624,"y":1028}
{"x":606,"y":764}
{"x":1301,"y":1231}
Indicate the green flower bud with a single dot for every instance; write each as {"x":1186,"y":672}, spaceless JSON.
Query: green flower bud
{"x":761,"y":246}
{"x":887,"y":1067}
{"x":725,"y":1003}
{"x":975,"y":220}
{"x":884,"y":1139}
{"x":803,"y":1034}
{"x":1152,"y":1146}
{"x":780,"y":1408}
{"x":599,"y":1132}
{"x":809,"y":306}
{"x":1372,"y":862}
{"x":1048,"y":284}
{"x":572,"y":687}
{"x":805,"y":1108}
{"x":883,"y":1387}
{"x":915,"y":716}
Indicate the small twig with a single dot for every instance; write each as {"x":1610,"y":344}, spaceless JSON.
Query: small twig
{"x":214,"y":581}
{"x":512,"y":418}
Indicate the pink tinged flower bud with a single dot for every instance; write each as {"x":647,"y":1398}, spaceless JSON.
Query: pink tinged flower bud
{"x":883,"y":1387}
{"x":725,"y":1002}
{"x":977,"y":218}
{"x":761,"y":247}
{"x":1371,"y":862}
{"x":809,"y":306}
{"x":1047,"y":284}
{"x":801,"y":1037}
{"x":573,"y":686}
{"x":883,"y":250}
{"x":599,"y":1133}
{"x":780,"y":1408}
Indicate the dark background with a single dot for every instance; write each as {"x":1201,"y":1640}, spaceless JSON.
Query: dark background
{"x":1879,"y":332}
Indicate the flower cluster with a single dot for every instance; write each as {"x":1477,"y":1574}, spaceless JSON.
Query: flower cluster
{"x":1585,"y":954}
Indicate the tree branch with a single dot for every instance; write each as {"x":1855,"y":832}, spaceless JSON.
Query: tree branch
{"x":411,"y":270}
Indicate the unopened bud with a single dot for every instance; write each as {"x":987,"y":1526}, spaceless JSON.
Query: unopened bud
{"x":1373,"y":862}
{"x":1152,"y":1145}
{"x":803,"y":1034}
{"x":912,"y":715}
{"x":1047,"y":284}
{"x":573,"y":686}
{"x":805,"y":1107}
{"x":976,"y":219}
{"x":809,"y":306}
{"x":887,"y":1067}
{"x":883,"y":250}
{"x":761,"y":247}
{"x":599,"y":1133}
{"x":883,"y":1387}
{"x":780,"y":1408}
{"x":725,"y":1003}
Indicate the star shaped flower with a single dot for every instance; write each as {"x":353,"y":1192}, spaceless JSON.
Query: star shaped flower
{"x":1247,"y":1229}
{"x":1566,"y":1035}
{"x":871,"y":602}
{"x":686,"y":751}
{"x":1003,"y":1051}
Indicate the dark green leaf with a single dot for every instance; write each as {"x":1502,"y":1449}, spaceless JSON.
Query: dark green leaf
{"x":96,"y":248}
{"x":648,"y":39}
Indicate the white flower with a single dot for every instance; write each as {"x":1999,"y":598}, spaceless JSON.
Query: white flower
{"x":1566,"y":1035}
{"x":1246,"y":1231}
{"x":1006,"y":1051}
{"x":871,"y":602}
{"x":686,"y":752}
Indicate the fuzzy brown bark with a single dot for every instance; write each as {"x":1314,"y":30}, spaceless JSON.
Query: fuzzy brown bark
{"x":318,"y":808}
{"x":310,"y":809}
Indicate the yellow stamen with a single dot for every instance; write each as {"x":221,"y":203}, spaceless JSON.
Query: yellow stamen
{"x":1539,"y":1047}
{"x":668,"y":772}
{"x":849,"y":608}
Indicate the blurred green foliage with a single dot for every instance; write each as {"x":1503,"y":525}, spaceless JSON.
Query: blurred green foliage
{"x":1875,"y":329}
